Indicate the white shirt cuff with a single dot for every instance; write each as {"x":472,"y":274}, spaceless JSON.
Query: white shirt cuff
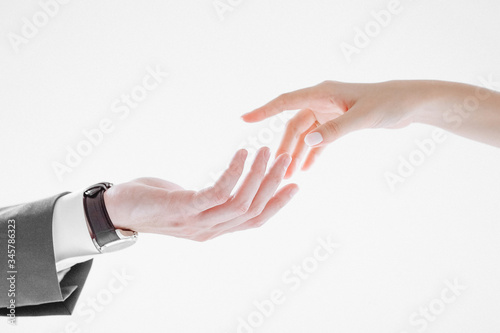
{"x":71,"y":237}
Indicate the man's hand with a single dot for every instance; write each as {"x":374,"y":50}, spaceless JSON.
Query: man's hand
{"x":157,"y":206}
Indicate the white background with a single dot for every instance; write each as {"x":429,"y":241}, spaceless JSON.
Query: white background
{"x":397,"y":247}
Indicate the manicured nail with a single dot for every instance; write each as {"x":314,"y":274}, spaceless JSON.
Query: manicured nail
{"x":313,"y":139}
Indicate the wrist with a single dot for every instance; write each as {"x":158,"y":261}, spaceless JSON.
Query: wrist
{"x":106,"y":236}
{"x":437,"y":99}
{"x":111,"y":204}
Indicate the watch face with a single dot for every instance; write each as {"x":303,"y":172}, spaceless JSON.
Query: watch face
{"x":92,"y":190}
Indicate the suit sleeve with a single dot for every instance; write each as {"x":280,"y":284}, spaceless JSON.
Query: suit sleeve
{"x":37,"y":289}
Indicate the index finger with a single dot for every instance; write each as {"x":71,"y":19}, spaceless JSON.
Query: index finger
{"x":298,"y":99}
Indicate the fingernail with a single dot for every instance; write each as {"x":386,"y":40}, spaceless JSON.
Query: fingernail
{"x":246,"y":114}
{"x":289,"y":169}
{"x":313,"y":139}
{"x":267,"y":153}
{"x":287,"y":161}
{"x":242,"y":153}
{"x":293,"y":191}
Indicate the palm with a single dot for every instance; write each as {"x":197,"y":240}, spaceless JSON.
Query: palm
{"x":158,"y":206}
{"x":143,"y":202}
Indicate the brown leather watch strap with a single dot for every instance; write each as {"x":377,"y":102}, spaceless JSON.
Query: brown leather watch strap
{"x":101,"y":228}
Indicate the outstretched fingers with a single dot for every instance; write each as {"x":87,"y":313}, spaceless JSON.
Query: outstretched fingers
{"x":266,"y":191}
{"x":240,"y":202}
{"x":278,"y":201}
{"x":220,"y":192}
{"x":298,"y":99}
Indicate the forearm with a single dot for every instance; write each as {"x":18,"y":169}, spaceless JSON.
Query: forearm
{"x":466,"y":110}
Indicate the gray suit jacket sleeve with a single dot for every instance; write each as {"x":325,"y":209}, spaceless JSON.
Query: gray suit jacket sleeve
{"x":37,"y":289}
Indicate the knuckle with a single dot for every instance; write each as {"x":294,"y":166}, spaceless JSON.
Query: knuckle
{"x":275,"y":178}
{"x":255,"y":210}
{"x":332,"y":129}
{"x":259,"y":170}
{"x":281,"y":100}
{"x":242,"y":207}
{"x":220,"y":196}
{"x":232,"y":171}
{"x":292,"y":126}
{"x":327,"y":83}
{"x":202,"y":238}
{"x":258,"y":223}
{"x":198,"y":202}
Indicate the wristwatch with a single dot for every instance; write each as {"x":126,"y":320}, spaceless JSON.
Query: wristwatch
{"x":105,"y":236}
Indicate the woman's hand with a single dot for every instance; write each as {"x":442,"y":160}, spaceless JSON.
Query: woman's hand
{"x":157,"y":206}
{"x":332,"y":109}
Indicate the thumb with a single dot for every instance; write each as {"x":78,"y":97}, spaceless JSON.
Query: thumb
{"x":332,"y":130}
